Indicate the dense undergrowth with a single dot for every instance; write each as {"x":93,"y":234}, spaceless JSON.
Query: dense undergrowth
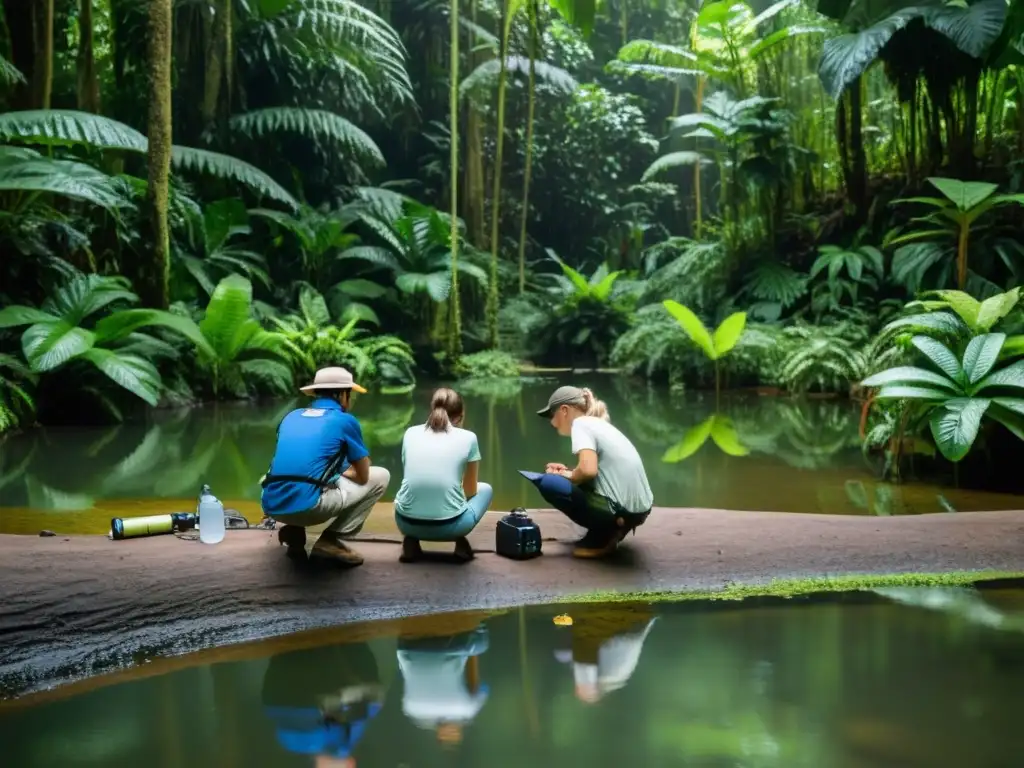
{"x":703,"y":194}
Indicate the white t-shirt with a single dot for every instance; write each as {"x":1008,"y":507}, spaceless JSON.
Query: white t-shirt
{"x":435,"y":687}
{"x":620,"y":470}
{"x":433,"y":464}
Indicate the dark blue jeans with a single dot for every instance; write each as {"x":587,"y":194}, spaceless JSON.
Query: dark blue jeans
{"x":585,"y":506}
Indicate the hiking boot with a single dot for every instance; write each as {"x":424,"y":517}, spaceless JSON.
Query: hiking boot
{"x":337,"y":550}
{"x":463,"y":549}
{"x":595,"y":544}
{"x":293,"y":537}
{"x":411,"y":550}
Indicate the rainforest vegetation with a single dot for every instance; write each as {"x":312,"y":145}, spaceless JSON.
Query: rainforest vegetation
{"x":208,"y":199}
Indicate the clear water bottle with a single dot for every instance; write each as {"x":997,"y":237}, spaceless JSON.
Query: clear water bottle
{"x":211,"y":517}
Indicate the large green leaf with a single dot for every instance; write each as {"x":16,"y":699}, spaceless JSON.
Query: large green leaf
{"x":939,"y":322}
{"x":692,"y":327}
{"x":691,"y":442}
{"x":981,"y":354}
{"x":32,"y":173}
{"x":972,"y":29}
{"x":724,"y":434}
{"x":906,"y":392}
{"x":1010,"y":376}
{"x":728,"y":333}
{"x":47,"y":346}
{"x":995,"y":308}
{"x":939,"y":354}
{"x":1008,"y":411}
{"x":579,"y":13}
{"x":674,"y":160}
{"x":120,"y":324}
{"x":955,"y":425}
{"x":907,"y":374}
{"x":361,"y":289}
{"x":12,"y":317}
{"x":52,"y":127}
{"x":133,"y":373}
{"x":964,"y":194}
{"x":847,"y":57}
{"x":779,"y":36}
{"x":226,"y":314}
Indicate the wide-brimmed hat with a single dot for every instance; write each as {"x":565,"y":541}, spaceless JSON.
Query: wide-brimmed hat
{"x":562,"y":396}
{"x":332,"y":378}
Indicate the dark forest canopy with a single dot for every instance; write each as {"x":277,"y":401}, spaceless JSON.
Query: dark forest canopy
{"x":211,"y":198}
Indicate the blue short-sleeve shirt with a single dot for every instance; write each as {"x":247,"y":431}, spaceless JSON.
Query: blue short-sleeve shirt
{"x":318,"y":443}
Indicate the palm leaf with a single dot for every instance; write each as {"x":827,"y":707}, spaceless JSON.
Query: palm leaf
{"x":485,"y":76}
{"x":65,"y":127}
{"x":317,"y":124}
{"x":33,"y":174}
{"x":227,"y":313}
{"x":133,"y":373}
{"x":227,"y":167}
{"x":9,"y":73}
{"x":674,"y":160}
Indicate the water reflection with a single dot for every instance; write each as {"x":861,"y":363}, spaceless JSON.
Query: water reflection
{"x":751,"y":453}
{"x":913,"y":679}
{"x":321,"y":701}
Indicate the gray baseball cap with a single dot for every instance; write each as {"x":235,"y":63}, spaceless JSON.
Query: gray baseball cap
{"x":561,"y":396}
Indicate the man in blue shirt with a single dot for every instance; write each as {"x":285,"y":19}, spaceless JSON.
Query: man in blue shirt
{"x":320,"y":484}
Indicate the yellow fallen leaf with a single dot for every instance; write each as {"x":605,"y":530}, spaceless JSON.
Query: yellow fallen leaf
{"x":564,"y":620}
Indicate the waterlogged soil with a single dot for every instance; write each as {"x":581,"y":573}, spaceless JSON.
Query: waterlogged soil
{"x":77,"y":605}
{"x":920,"y":677}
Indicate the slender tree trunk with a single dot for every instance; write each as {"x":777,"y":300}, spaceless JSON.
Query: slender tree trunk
{"x":473,"y":200}
{"x":42,"y":71}
{"x":88,"y":85}
{"x":532,"y":98}
{"x":492,"y":287}
{"x":154,"y":286}
{"x":455,"y":325}
{"x":217,"y":62}
{"x":697,"y":218}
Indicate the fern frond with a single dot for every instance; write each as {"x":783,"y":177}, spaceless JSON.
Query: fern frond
{"x":65,"y":127}
{"x":25,"y":171}
{"x":673,"y":160}
{"x":227,"y":167}
{"x":486,"y":75}
{"x":316,"y":124}
{"x":9,"y":73}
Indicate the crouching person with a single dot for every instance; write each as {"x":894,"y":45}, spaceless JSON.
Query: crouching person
{"x":321,"y":486}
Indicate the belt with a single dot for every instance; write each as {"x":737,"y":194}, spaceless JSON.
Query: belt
{"x":268,"y":479}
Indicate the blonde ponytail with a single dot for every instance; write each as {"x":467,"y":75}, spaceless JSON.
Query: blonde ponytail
{"x":446,"y":409}
{"x":593,"y":406}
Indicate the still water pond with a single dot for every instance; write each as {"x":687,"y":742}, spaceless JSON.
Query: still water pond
{"x":768,"y":453}
{"x":902,"y":678}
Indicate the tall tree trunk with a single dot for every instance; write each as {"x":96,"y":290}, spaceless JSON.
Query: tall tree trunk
{"x":218,"y":64}
{"x":697,"y":213}
{"x":88,"y":84}
{"x":531,"y":95}
{"x":492,"y":288}
{"x":473,"y":200}
{"x":454,"y":346}
{"x":42,"y":70}
{"x":154,"y":286}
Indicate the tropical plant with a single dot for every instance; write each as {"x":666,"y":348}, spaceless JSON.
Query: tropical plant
{"x":17,"y":404}
{"x":210,"y":254}
{"x":75,"y":326}
{"x":488,"y":364}
{"x":719,"y":428}
{"x":588,"y":313}
{"x":238,"y":355}
{"x":864,"y":266}
{"x":828,"y":358}
{"x":960,"y":391}
{"x":963,"y":202}
{"x":313,"y":342}
{"x":716,"y":346}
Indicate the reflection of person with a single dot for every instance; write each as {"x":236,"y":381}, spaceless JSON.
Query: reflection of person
{"x":605,"y":649}
{"x":442,"y":681}
{"x":320,"y":479}
{"x":441,"y":498}
{"x":607,"y":492}
{"x":321,"y":700}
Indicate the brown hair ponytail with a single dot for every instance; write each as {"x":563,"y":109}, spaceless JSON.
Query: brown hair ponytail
{"x":446,"y":409}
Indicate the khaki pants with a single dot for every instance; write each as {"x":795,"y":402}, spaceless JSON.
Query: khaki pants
{"x":342,"y":510}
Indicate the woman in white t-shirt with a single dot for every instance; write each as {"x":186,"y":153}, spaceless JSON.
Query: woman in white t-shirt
{"x":441,"y":498}
{"x":607,"y":492}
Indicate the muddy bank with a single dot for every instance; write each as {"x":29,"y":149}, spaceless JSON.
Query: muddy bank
{"x":75,"y":606}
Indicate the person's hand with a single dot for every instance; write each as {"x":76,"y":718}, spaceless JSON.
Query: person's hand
{"x":554,"y":468}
